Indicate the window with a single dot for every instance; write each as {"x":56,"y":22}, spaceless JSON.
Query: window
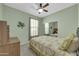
{"x":46,"y":28}
{"x":34,"y":27}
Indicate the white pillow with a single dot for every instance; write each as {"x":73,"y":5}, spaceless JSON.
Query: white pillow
{"x":74,"y":45}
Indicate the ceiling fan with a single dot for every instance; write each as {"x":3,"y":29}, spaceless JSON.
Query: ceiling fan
{"x":42,"y":7}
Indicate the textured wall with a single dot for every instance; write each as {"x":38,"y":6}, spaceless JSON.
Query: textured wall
{"x":67,"y":20}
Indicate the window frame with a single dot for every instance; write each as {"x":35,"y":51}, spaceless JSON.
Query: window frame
{"x":34,"y":28}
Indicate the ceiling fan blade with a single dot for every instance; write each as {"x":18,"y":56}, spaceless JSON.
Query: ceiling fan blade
{"x":41,"y":5}
{"x":46,"y":5}
{"x":45,"y":10}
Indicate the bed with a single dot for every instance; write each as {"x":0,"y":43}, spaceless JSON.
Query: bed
{"x":47,"y":46}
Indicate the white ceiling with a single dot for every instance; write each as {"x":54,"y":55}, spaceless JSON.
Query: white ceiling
{"x":31,"y":8}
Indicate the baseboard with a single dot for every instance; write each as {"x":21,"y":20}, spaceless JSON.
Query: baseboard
{"x":24,"y":43}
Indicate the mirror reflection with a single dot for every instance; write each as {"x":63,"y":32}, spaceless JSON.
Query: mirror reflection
{"x":51,"y":28}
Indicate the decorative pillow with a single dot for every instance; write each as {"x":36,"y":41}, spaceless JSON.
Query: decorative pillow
{"x":67,"y":42}
{"x":74,"y":45}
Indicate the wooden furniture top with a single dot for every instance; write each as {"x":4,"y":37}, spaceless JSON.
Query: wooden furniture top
{"x":13,"y":40}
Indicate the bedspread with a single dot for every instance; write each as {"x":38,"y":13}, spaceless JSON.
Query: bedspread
{"x":47,"y":45}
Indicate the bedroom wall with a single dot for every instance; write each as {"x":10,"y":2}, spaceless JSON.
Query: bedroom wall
{"x":67,"y":20}
{"x":78,"y":15}
{"x":41,"y":27}
{"x":0,"y":11}
{"x":12,"y":16}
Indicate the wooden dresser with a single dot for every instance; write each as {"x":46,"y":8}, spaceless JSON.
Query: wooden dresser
{"x":8,"y":46}
{"x":12,"y":48}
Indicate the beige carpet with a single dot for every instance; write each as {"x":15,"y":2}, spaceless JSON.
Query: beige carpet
{"x":26,"y":51}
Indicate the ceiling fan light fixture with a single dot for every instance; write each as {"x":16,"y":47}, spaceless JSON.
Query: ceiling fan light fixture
{"x":40,"y":10}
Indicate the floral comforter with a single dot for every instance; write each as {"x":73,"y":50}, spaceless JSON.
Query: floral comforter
{"x":48,"y":45}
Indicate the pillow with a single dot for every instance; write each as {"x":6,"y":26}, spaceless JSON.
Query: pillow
{"x":71,"y":35}
{"x":67,"y":42}
{"x":74,"y":45}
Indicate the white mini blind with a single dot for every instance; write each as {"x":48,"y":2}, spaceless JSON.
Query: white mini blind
{"x":46,"y":28}
{"x":34,"y":27}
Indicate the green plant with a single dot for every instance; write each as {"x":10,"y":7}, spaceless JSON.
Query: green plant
{"x":20,"y":24}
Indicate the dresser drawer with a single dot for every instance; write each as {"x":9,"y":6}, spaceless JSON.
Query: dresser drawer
{"x":4,"y":50}
{"x":14,"y":49}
